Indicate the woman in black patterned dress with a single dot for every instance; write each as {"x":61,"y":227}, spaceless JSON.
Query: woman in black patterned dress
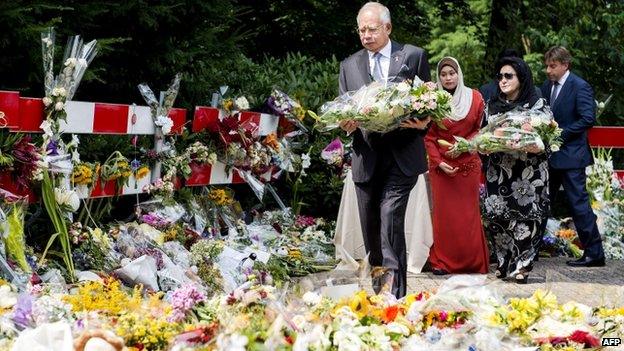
{"x":515,"y":203}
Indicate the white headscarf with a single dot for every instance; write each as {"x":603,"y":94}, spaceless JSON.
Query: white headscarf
{"x":462,"y":97}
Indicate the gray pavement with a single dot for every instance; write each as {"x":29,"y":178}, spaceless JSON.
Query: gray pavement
{"x":603,"y":286}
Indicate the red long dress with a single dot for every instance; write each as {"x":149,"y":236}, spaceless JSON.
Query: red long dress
{"x":459,"y":244}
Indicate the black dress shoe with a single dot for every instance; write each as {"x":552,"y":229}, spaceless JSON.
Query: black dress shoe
{"x":587,"y":262}
{"x":438,"y":271}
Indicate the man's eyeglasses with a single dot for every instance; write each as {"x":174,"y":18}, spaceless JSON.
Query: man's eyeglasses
{"x":508,"y":76}
{"x":371,"y":30}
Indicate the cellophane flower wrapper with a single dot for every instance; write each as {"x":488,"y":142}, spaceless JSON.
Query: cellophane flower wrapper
{"x":140,"y":271}
{"x":165,"y":212}
{"x":160,"y":110}
{"x":283,"y":105}
{"x":380,"y":107}
{"x":12,"y":215}
{"x":172,"y":276}
{"x":518,"y":130}
{"x":333,"y":153}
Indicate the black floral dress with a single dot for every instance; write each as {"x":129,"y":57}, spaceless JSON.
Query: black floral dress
{"x":514,"y":207}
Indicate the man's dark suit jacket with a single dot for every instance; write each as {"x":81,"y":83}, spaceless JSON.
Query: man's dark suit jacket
{"x":406,"y":145}
{"x":575,"y":111}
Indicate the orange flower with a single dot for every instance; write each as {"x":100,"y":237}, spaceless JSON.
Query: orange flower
{"x":566,"y":233}
{"x":390,"y":313}
{"x":271,"y":141}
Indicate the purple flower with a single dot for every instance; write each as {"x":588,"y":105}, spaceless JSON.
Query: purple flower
{"x":183,"y":300}
{"x":22,"y":312}
{"x":52,"y":148}
{"x":333,"y":153}
{"x":335,"y":144}
{"x":135,"y":164}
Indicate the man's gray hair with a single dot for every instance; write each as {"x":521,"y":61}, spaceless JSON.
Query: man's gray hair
{"x":384,"y":13}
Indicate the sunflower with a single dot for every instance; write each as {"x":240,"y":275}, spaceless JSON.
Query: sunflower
{"x":142,"y":172}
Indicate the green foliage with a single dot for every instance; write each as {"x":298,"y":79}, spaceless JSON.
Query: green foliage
{"x":321,"y":28}
{"x":311,"y":81}
{"x":459,"y":31}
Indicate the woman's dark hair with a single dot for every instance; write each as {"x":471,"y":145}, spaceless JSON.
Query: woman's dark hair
{"x":523,"y":72}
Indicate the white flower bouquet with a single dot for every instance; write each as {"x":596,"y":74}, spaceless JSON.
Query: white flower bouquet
{"x":382,"y":107}
{"x":520,"y":129}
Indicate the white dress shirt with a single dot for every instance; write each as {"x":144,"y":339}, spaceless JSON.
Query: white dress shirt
{"x":561,"y":82}
{"x":385,"y":52}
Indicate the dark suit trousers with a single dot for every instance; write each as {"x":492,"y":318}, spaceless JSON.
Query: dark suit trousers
{"x":382,"y":202}
{"x":573,"y":181}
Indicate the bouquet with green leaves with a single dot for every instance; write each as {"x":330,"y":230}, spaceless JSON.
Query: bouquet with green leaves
{"x":380,"y":107}
{"x":521,"y":129}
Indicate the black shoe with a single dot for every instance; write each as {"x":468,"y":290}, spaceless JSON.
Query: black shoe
{"x":438,"y":271}
{"x":587,"y":262}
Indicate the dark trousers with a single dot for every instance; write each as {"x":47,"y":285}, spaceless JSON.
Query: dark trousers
{"x":382,"y":202}
{"x":573,"y":181}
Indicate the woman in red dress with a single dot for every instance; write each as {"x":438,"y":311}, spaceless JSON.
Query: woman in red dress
{"x":459,"y":244}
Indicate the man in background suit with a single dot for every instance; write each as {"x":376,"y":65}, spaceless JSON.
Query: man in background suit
{"x":385,"y":167}
{"x":571,"y":100}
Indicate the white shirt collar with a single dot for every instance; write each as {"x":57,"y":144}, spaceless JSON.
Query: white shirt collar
{"x":563,"y":79}
{"x":385,"y":52}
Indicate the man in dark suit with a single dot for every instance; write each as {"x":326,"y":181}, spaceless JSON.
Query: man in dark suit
{"x":571,"y":100}
{"x":385,"y":167}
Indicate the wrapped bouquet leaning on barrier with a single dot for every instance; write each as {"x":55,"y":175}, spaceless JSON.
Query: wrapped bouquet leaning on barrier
{"x":521,"y":129}
{"x":380,"y":107}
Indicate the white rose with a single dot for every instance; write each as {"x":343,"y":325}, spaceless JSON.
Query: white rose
{"x":311,"y":298}
{"x":68,"y":198}
{"x":47,"y":101}
{"x":59,"y":106}
{"x":403,"y":87}
{"x":242,"y":103}
{"x":165,"y":123}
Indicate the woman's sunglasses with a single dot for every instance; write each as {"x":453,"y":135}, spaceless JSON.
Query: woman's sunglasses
{"x":508,"y":76}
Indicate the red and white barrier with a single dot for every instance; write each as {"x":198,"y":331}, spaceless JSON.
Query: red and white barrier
{"x":25,"y":114}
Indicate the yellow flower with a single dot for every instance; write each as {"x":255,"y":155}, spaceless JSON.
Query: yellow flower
{"x":107,"y":297}
{"x":359,"y":304}
{"x":228,"y":104}
{"x":142,"y":172}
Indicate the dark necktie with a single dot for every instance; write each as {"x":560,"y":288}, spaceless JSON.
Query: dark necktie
{"x":555,"y":93}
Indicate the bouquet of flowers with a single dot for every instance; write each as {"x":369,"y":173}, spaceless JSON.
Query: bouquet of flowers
{"x":382,"y":107}
{"x":333,"y":153}
{"x":19,"y":158}
{"x":284,"y":106}
{"x":517,"y":130}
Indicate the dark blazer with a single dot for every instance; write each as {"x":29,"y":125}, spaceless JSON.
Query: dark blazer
{"x":575,"y":111}
{"x":407,"y":145}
